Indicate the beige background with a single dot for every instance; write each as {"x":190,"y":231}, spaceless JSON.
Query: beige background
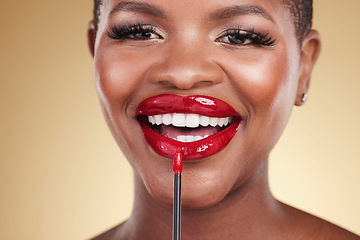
{"x":63,"y":177}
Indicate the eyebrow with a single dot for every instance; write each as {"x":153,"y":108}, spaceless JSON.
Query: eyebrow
{"x":233,"y":11}
{"x":138,"y":7}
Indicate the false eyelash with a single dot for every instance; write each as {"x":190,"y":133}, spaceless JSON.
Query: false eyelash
{"x":258,"y":38}
{"x":123,"y":32}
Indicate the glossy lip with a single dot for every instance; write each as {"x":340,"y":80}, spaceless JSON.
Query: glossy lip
{"x":203,"y":105}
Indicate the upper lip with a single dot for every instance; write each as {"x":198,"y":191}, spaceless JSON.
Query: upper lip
{"x":202,"y":105}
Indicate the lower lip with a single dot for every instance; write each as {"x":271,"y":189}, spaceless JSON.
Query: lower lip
{"x":211,"y":145}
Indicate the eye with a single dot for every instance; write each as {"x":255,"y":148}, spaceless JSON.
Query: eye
{"x":143,"y":35}
{"x":135,"y":32}
{"x":240,"y":37}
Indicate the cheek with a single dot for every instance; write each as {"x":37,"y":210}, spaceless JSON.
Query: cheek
{"x":116,"y":76}
{"x":262,"y":81}
{"x":117,"y":81}
{"x":266,"y":83}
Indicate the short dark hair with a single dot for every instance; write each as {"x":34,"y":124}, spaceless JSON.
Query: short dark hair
{"x":302,"y":14}
{"x":96,"y":13}
{"x":301,"y":11}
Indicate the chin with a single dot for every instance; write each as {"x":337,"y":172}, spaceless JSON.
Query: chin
{"x":202,"y":198}
{"x":195,"y":196}
{"x":203,"y":185}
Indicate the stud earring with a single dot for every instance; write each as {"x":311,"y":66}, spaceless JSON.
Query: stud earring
{"x":304,"y":98}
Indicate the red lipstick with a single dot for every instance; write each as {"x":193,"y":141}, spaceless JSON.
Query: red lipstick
{"x":178,"y":162}
{"x":177,"y":167}
{"x":221,"y":124}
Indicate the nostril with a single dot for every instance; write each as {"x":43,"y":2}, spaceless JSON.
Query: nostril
{"x":196,"y":85}
{"x":166,"y":83}
{"x":204,"y":84}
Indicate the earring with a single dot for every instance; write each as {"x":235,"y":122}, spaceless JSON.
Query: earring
{"x":304,"y":98}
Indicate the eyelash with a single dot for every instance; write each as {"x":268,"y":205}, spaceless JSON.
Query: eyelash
{"x":131,"y":32}
{"x":241,"y":35}
{"x":236,"y":36}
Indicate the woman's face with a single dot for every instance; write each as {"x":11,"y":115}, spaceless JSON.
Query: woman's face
{"x":240,"y":57}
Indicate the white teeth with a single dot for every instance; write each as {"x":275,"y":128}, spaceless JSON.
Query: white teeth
{"x":197,"y":138}
{"x":226,"y":121}
{"x":167,"y":119}
{"x":221,"y":122}
{"x":188,"y":120}
{"x":178,"y":120}
{"x":189,"y":138}
{"x":181,"y":138}
{"x":192,"y":120}
{"x":152,"y":120}
{"x":214,"y":121}
{"x":204,"y":121}
{"x":158,"y":119}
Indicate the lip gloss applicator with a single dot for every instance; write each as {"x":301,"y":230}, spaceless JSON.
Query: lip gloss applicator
{"x":177,"y":167}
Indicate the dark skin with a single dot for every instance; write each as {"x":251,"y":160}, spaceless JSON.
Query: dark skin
{"x":189,"y":52}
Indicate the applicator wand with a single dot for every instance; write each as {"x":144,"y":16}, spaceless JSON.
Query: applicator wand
{"x":177,"y":167}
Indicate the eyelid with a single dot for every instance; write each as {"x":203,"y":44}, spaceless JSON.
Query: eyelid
{"x":258,"y":38}
{"x":122,"y":31}
{"x":238,"y":30}
{"x":226,"y":31}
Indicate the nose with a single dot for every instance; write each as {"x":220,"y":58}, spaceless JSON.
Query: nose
{"x":186,"y":67}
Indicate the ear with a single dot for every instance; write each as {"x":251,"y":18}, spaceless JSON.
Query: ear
{"x":91,"y":36}
{"x":310,"y":51}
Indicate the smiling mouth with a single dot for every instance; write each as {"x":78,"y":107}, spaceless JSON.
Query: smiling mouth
{"x":187,"y":127}
{"x":196,"y":126}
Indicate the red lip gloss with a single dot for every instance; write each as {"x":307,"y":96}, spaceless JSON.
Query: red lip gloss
{"x":195,"y":104}
{"x":177,"y":167}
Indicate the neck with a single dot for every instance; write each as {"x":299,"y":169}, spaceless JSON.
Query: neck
{"x":246,"y":212}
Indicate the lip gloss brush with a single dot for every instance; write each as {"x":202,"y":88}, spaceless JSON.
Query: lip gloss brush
{"x":177,"y":167}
